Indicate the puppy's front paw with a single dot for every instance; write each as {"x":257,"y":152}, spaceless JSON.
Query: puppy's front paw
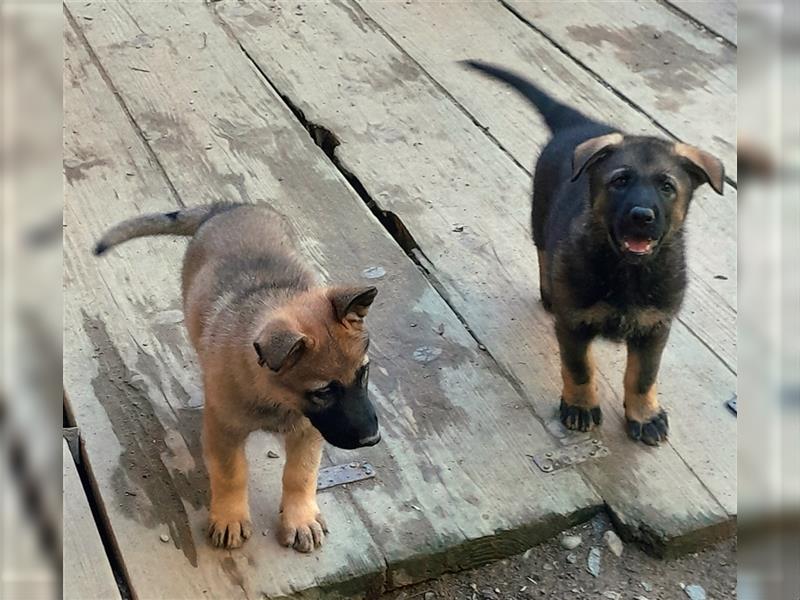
{"x":580,"y":418}
{"x":302,"y":526}
{"x":229,"y":531}
{"x":650,"y":432}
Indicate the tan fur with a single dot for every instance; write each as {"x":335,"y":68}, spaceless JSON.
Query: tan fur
{"x":583,"y":395}
{"x":638,"y":407}
{"x":710,"y":165}
{"x":236,"y":384}
{"x":230,"y":305}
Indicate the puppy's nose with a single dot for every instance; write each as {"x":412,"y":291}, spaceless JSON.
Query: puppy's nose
{"x":371,"y":440}
{"x":642,"y":216}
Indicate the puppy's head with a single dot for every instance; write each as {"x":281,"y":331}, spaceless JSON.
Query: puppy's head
{"x":641,"y":187}
{"x":315,"y":349}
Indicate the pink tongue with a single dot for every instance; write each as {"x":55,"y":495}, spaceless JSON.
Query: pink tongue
{"x":638,"y":245}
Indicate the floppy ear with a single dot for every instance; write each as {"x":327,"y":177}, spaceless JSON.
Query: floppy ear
{"x":589,"y":152}
{"x":708,"y":166}
{"x":352,"y":303}
{"x":279,"y":346}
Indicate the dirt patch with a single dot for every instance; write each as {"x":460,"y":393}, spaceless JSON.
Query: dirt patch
{"x":547,"y":571}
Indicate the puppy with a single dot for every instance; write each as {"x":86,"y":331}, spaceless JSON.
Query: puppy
{"x":277,"y":352}
{"x":608,"y":215}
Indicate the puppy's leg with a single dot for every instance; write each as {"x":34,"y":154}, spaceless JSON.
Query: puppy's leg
{"x":544,"y":279}
{"x":580,"y":408}
{"x":302,"y":526}
{"x":647,"y":421}
{"x":229,"y":517}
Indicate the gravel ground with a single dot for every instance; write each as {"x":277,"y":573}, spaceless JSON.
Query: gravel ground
{"x":552,"y":571}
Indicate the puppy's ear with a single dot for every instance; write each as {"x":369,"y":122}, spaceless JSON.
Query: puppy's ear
{"x":351,"y":304}
{"x":279,"y":346}
{"x":589,"y":152}
{"x":707,"y":166}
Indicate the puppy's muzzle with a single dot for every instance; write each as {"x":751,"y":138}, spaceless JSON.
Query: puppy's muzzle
{"x":371,"y":440}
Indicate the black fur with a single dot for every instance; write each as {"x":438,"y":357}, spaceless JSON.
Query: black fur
{"x":344,"y":415}
{"x":612,"y":239}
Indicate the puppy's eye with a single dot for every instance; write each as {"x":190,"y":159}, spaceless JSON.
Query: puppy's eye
{"x":324,"y":395}
{"x":667,"y":188}
{"x":620,"y":181}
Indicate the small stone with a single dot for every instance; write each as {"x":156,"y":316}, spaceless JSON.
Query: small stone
{"x":527,"y":554}
{"x":611,"y":595}
{"x":458,"y":228}
{"x":164,"y":537}
{"x":264,"y":532}
{"x":695,"y":592}
{"x":570,"y":542}
{"x":547,"y":567}
{"x":571,"y":558}
{"x":439,"y":329}
{"x":656,"y":35}
{"x":488,"y":594}
{"x":647,"y":587}
{"x":641,"y":598}
{"x":429,"y":596}
{"x":666,"y":61}
{"x":593,"y":562}
{"x":481,"y":346}
{"x":272,"y":454}
{"x":719,"y":39}
{"x":613,"y":542}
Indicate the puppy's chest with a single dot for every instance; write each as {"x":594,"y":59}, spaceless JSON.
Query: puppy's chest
{"x":617,"y":323}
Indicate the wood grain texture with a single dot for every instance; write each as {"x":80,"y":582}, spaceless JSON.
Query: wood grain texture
{"x":223,"y":133}
{"x":718,"y":16}
{"x":466,"y":205}
{"x":437,"y":35}
{"x":680,"y":76}
{"x":87,"y":572}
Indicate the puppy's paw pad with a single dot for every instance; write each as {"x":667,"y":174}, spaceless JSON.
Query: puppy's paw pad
{"x":651,"y":432}
{"x":302,"y":530}
{"x":579,"y":418}
{"x":229,"y":533}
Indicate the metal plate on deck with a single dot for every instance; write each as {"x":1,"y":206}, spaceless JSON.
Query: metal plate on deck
{"x":560,"y":458}
{"x":340,"y":474}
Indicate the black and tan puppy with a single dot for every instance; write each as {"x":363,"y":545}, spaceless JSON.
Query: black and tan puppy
{"x":608,"y":215}
{"x":278,"y":353}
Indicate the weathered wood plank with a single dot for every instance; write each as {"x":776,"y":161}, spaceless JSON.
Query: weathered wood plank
{"x":421,"y":158}
{"x":222,"y":133}
{"x":681,"y":77}
{"x":438,"y":35}
{"x":133,"y":384}
{"x":87,"y":572}
{"x":718,"y":16}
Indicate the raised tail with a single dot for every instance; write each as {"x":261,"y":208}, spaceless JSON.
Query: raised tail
{"x":557,"y":115}
{"x":180,"y":222}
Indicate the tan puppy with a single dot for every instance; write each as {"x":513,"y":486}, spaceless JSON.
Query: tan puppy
{"x":278,"y":353}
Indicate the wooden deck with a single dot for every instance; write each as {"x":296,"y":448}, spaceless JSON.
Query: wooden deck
{"x":355,"y":121}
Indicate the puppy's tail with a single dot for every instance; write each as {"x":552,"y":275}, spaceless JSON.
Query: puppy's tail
{"x":181,"y":222}
{"x":557,"y":116}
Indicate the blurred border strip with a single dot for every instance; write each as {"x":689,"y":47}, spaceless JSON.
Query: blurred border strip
{"x":769,"y":300}
{"x":31,"y":58}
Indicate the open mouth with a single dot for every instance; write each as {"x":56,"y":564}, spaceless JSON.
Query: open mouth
{"x":638,"y":245}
